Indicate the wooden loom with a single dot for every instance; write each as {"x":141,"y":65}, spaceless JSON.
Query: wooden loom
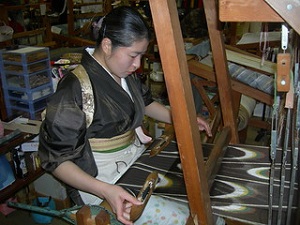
{"x":178,"y":84}
{"x":208,"y":79}
{"x":177,"y":78}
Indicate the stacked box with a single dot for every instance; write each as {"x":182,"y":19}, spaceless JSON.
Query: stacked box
{"x":26,"y":79}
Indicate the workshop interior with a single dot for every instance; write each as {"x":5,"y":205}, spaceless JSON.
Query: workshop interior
{"x":233,"y":63}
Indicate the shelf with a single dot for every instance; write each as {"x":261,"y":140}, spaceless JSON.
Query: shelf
{"x":38,"y":82}
{"x":18,"y":184}
{"x":8,"y":146}
{"x":30,"y":107}
{"x":88,"y":15}
{"x":25,"y":55}
{"x":25,"y":70}
{"x":78,"y":5}
{"x":26,"y":79}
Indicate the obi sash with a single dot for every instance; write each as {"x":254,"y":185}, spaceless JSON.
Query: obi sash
{"x":114,"y":144}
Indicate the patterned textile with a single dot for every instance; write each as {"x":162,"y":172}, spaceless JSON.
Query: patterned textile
{"x":254,"y":79}
{"x":161,"y":211}
{"x":241,"y":187}
{"x":167,"y":164}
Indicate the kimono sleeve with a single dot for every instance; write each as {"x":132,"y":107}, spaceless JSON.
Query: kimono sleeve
{"x":63,"y":131}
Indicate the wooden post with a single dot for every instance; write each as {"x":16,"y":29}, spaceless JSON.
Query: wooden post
{"x":102,"y":218}
{"x":174,"y":63}
{"x":215,"y":158}
{"x":83,"y":215}
{"x":244,"y":11}
{"x":107,"y":7}
{"x":71,"y":27}
{"x":289,"y":10}
{"x":221,"y":68}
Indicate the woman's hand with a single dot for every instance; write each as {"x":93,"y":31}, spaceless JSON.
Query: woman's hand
{"x":118,"y":199}
{"x":204,"y":126}
{"x":120,"y":202}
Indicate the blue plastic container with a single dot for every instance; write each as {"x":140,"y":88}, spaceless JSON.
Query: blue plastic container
{"x":6,"y":173}
{"x":47,"y":203}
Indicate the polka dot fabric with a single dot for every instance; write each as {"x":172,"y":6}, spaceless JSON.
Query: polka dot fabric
{"x":162,"y":211}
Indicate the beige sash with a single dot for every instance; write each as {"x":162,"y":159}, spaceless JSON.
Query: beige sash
{"x":88,"y":106}
{"x":113,"y":144}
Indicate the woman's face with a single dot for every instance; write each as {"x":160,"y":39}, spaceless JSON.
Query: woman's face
{"x":123,"y":61}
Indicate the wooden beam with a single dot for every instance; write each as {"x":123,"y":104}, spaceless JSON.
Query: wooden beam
{"x":221,"y":68}
{"x":200,"y":84}
{"x":174,"y":63}
{"x":72,"y":17}
{"x":252,"y":92}
{"x":207,"y":73}
{"x":289,"y":10}
{"x":247,"y":11}
{"x":251,"y":62}
{"x":71,"y":27}
{"x":215,"y":124}
{"x":4,"y":14}
{"x":25,"y":34}
{"x":72,"y":40}
{"x":201,"y":70}
{"x":214,"y":160}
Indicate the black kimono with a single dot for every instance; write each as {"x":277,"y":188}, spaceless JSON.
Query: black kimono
{"x":63,"y":134}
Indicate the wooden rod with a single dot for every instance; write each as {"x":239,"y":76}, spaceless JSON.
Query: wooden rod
{"x":221,"y":67}
{"x":174,"y":63}
{"x":214,"y":160}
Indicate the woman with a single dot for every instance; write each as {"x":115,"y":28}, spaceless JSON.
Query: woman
{"x":120,"y":103}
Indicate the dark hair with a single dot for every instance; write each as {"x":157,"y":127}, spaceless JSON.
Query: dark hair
{"x":123,"y":26}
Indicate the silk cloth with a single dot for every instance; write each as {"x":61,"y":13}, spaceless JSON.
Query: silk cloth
{"x":241,"y":187}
